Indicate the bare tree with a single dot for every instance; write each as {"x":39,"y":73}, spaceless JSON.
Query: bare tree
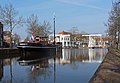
{"x":83,"y":33}
{"x":114,"y":24}
{"x":74,"y":30}
{"x":9,"y":17}
{"x":46,"y":28}
{"x":16,"y":38}
{"x":37,"y":28}
{"x":33,"y":25}
{"x":27,"y":39}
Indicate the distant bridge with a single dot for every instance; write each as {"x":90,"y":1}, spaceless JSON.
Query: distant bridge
{"x":92,"y":41}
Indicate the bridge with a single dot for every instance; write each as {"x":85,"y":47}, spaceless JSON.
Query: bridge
{"x":92,"y":41}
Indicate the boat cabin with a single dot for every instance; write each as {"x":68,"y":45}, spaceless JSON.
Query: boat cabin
{"x":42,"y":40}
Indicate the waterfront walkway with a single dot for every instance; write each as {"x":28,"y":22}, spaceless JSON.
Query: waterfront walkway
{"x":109,"y":70}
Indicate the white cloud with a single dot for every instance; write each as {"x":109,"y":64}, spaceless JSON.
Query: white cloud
{"x":83,"y":3}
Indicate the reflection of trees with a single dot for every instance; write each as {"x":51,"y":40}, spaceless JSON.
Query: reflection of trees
{"x":1,"y":69}
{"x":11,"y":77}
{"x":8,"y":61}
{"x":74,"y":65}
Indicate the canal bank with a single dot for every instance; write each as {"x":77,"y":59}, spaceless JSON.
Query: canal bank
{"x":14,"y":52}
{"x":9,"y":52}
{"x":109,"y":70}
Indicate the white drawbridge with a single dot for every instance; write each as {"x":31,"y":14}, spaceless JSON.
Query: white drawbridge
{"x":92,"y":41}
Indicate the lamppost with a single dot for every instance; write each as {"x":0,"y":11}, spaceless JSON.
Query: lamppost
{"x":1,"y":34}
{"x":55,"y":51}
{"x":54,"y":28}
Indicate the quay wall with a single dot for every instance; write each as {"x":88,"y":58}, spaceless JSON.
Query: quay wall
{"x":14,"y":52}
{"x":8,"y":52}
{"x":109,"y":69}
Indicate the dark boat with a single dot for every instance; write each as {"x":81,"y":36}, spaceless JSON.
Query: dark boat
{"x":39,"y":46}
{"x":35,"y":43}
{"x":35,"y":48}
{"x":28,"y":44}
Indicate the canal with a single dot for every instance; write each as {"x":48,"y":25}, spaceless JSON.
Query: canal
{"x":68,"y":66}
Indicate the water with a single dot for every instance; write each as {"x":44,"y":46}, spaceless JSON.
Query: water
{"x":70,"y":66}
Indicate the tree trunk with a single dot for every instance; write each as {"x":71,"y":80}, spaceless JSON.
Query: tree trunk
{"x":10,"y":35}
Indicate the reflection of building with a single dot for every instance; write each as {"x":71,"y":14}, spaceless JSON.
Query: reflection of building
{"x":82,"y":55}
{"x":72,"y":55}
{"x":65,"y":56}
{"x":93,"y":56}
{"x":1,"y":69}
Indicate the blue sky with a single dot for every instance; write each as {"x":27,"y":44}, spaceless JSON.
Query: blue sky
{"x":87,"y":15}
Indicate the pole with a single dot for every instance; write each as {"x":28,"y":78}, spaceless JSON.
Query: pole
{"x":1,"y":34}
{"x":54,"y":28}
{"x":54,"y":69}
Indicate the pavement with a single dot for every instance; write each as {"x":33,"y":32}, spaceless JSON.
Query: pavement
{"x":109,"y":70}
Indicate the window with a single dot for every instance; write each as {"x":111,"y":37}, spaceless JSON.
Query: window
{"x":68,"y":38}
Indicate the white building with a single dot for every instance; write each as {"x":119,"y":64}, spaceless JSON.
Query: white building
{"x":68,"y":40}
{"x":65,"y":38}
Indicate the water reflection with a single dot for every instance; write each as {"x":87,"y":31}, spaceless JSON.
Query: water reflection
{"x":1,"y":69}
{"x":86,"y":55}
{"x":40,"y":70}
{"x":6,"y":77}
{"x":39,"y":67}
{"x":72,"y":65}
{"x":95,"y":56}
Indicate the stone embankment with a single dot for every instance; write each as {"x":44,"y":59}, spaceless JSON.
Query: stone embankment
{"x":8,"y":52}
{"x":109,"y":70}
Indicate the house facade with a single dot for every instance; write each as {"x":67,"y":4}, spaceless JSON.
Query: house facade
{"x":62,"y":37}
{"x":69,"y":40}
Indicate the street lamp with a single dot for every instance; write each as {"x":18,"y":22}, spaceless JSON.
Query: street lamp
{"x":54,"y":27}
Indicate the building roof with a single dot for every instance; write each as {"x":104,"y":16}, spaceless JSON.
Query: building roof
{"x":64,"y":33}
{"x":104,"y":39}
{"x":77,"y":35}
